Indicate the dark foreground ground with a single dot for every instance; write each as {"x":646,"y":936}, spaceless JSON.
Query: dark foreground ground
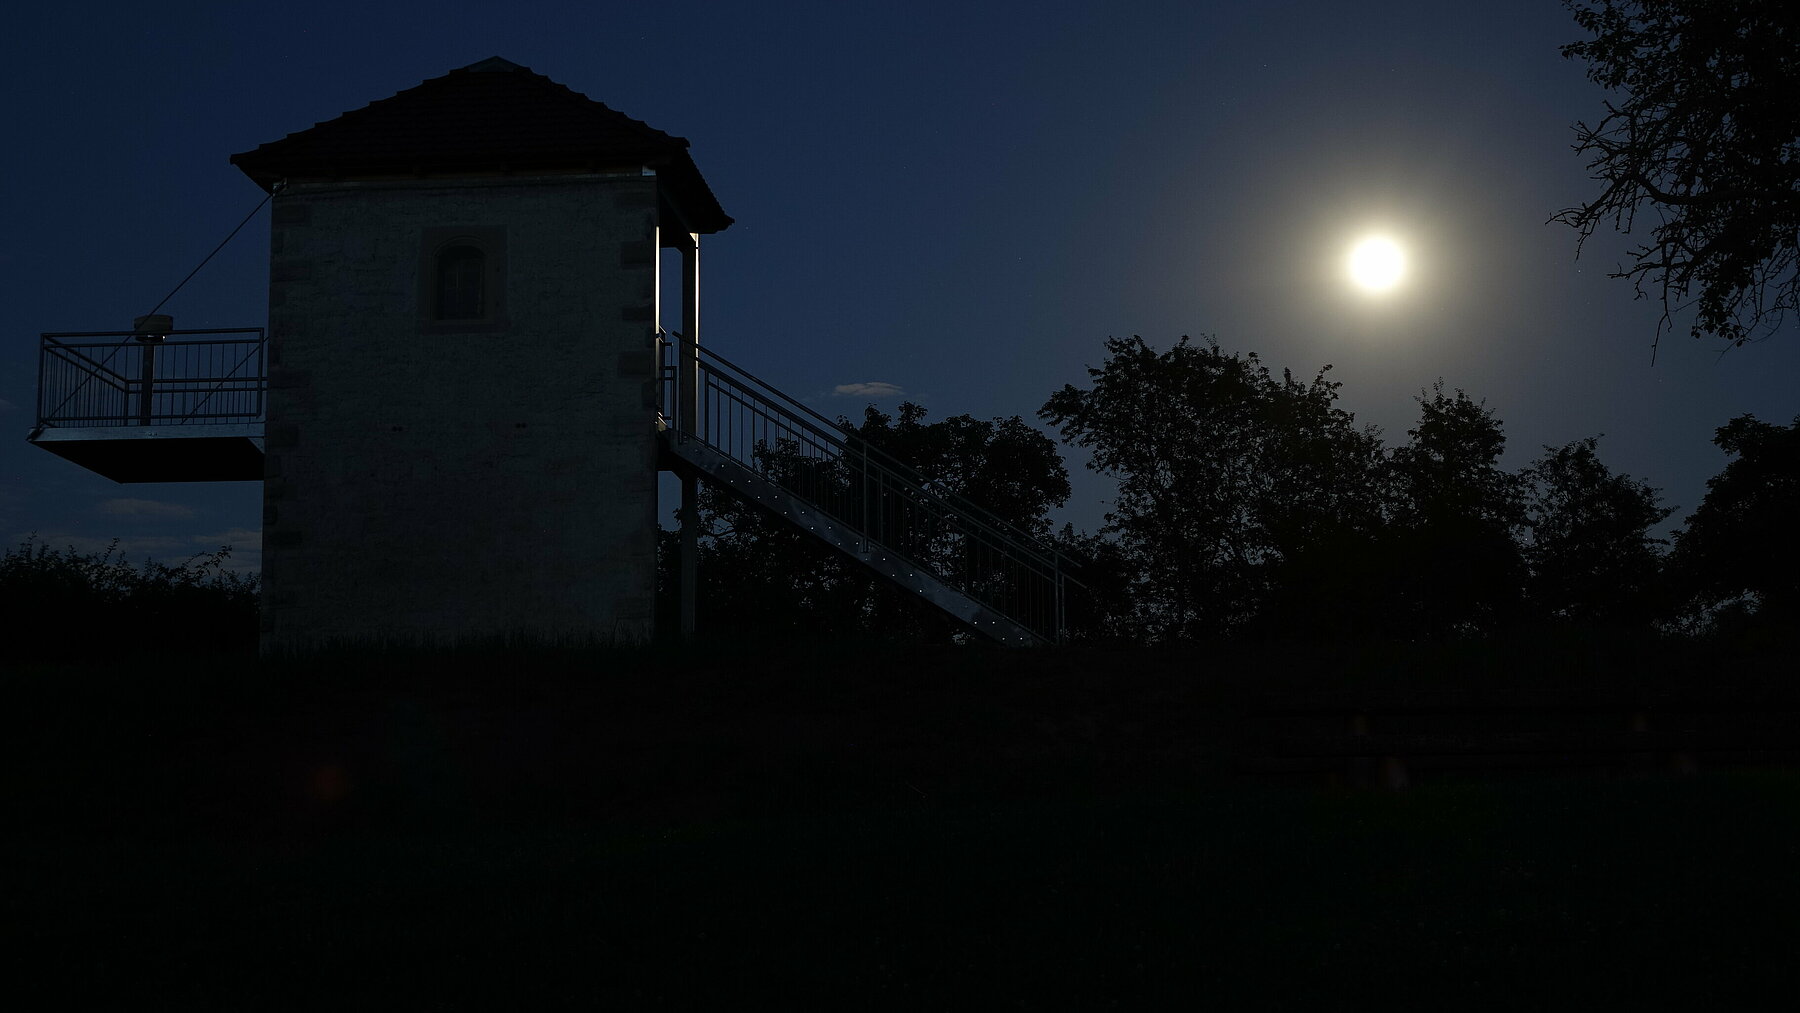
{"x":859,"y":826}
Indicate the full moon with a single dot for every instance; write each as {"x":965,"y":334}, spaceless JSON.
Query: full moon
{"x":1377,"y":264}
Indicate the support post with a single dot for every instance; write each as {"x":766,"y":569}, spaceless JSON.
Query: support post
{"x":690,"y":552}
{"x":1062,"y":615}
{"x":147,"y":378}
{"x":150,"y":330}
{"x":688,"y":356}
{"x":687,"y":383}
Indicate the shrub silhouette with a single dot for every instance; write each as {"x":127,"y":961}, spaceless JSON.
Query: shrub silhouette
{"x":64,"y":604}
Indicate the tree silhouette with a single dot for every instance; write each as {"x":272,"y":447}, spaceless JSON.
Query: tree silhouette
{"x":1458,"y":568}
{"x":1250,"y":505}
{"x":1591,"y":555}
{"x":1742,"y":541}
{"x":1224,"y":473}
{"x":1707,"y":135}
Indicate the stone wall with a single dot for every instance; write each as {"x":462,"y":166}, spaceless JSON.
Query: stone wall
{"x":435,"y":482}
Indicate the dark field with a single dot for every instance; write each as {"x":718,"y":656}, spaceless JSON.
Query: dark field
{"x":865,"y":825}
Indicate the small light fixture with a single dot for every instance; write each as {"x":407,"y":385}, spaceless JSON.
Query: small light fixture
{"x":152,"y":327}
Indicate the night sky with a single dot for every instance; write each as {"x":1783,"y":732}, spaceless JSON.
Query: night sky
{"x":957,"y":203}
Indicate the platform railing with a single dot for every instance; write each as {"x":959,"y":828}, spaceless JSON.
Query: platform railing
{"x":886,"y":502}
{"x":126,"y":378}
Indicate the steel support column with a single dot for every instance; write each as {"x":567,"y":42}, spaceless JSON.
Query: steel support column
{"x":687,"y":381}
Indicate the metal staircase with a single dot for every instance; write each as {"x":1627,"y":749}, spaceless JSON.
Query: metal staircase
{"x":723,"y":424}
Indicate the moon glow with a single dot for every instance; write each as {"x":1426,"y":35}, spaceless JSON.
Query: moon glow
{"x":1377,"y":264}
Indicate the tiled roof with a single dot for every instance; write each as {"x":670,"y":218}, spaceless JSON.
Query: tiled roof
{"x":492,"y":116}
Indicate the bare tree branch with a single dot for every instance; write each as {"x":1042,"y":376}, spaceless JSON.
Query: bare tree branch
{"x":1707,"y":134}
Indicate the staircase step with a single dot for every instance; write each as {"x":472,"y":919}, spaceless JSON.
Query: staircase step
{"x":746,"y":482}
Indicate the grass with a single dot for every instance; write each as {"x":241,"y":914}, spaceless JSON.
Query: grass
{"x":840,"y":824}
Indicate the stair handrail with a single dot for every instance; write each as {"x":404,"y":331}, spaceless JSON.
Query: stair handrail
{"x":829,"y":431}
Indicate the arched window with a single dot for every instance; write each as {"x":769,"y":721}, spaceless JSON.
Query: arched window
{"x":461,"y":283}
{"x":462,"y":279}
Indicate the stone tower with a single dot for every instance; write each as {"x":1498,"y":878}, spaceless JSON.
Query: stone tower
{"x":463,"y":304}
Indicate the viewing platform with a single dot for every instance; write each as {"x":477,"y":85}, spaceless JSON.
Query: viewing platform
{"x":176,"y":406}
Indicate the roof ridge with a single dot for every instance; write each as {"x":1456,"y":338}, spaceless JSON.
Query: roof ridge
{"x":492,"y":115}
{"x":541,"y":80}
{"x":492,"y":64}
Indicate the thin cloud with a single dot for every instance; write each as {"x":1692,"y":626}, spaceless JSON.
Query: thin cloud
{"x":146,"y":508}
{"x":240,"y":539}
{"x":169,"y":550}
{"x":872,"y":388}
{"x":132,"y":550}
{"x":7,"y":406}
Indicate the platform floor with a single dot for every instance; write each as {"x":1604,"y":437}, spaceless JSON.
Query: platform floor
{"x":202,"y":453}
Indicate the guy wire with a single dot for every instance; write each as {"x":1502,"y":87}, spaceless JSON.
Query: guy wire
{"x":240,"y":225}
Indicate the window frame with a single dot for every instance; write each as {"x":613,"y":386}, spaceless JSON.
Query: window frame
{"x":490,"y":242}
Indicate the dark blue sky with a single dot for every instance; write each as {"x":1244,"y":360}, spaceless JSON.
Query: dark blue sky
{"x":961,"y":200}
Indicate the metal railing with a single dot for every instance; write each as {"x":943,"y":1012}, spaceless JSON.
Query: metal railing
{"x":889,"y":504}
{"x":125,"y":378}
